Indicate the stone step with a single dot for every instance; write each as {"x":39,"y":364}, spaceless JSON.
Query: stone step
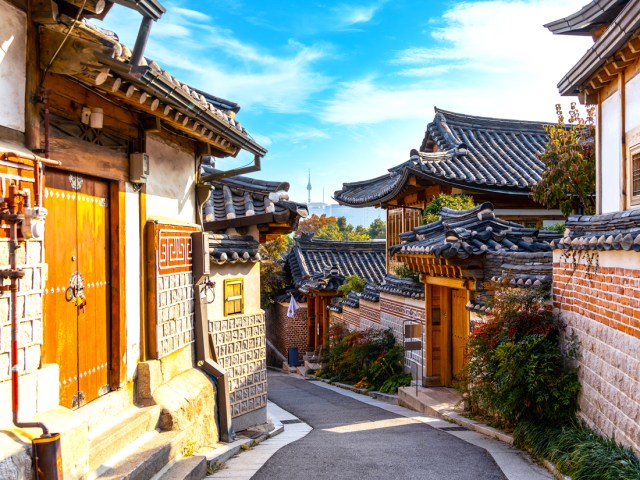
{"x":189,"y":468}
{"x":114,"y":436}
{"x":144,"y":461}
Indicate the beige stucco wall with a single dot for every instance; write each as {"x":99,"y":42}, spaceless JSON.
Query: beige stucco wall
{"x":250,"y":272}
{"x":171,"y":181}
{"x":13,"y":48}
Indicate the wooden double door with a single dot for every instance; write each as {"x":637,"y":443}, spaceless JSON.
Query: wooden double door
{"x":76,"y":295}
{"x":447,"y":333}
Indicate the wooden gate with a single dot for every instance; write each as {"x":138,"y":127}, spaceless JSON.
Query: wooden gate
{"x":459,"y":329}
{"x":76,"y":297}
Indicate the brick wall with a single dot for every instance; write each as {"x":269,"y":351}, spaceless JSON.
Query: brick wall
{"x":601,"y":305}
{"x":284,"y":332}
{"x":241,"y":348}
{"x":29,"y":306}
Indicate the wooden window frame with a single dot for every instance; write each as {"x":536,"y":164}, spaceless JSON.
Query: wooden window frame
{"x":229,"y":301}
{"x":634,"y":150}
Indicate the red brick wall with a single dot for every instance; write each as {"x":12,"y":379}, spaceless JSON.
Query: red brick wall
{"x":608,"y":295}
{"x":284,"y":332}
{"x":601,"y":306}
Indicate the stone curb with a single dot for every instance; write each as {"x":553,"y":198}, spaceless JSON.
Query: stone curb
{"x":224,"y":453}
{"x":383,"y":397}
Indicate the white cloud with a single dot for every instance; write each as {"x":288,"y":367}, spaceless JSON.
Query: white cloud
{"x":490,"y":58}
{"x":301,"y":134}
{"x":214,"y":59}
{"x":348,"y":15}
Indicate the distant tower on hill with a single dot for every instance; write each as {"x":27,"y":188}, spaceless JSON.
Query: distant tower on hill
{"x":309,"y":187}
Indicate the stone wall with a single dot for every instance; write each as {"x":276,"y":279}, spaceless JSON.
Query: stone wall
{"x":601,"y":305}
{"x":29,"y":306}
{"x":396,"y":310}
{"x":284,"y":332}
{"x":241,"y":349}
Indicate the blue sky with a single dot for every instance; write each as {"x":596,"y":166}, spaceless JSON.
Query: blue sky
{"x":346,"y":89}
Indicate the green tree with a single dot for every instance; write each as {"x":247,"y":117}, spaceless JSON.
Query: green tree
{"x":343,"y":231}
{"x":569,"y":180}
{"x":457,"y":201}
{"x":378,"y":229}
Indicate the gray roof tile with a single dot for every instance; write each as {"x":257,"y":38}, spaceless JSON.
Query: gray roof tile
{"x":475,"y":153}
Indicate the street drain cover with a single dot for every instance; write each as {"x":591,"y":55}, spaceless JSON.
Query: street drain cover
{"x":287,"y":422}
{"x":453,"y":429}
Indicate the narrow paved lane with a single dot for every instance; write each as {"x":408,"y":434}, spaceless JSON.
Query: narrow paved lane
{"x":352,"y":440}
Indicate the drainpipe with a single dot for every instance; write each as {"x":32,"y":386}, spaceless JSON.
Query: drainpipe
{"x":141,"y":41}
{"x":204,"y":359}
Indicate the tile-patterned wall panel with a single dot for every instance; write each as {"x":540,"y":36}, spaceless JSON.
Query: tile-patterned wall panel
{"x":241,"y":350}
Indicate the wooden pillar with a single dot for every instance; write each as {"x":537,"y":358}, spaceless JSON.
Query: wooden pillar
{"x":429,"y":319}
{"x":32,"y":86}
{"x":445,"y":342}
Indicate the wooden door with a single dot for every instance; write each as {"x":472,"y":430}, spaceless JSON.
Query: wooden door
{"x":77,"y":254}
{"x":459,"y":329}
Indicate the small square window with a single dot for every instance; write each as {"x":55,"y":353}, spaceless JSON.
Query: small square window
{"x":233,"y":296}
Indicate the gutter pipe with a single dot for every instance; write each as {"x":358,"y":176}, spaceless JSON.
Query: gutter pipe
{"x":205,"y":360}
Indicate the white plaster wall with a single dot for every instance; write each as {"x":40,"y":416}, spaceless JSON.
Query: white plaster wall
{"x":171,"y":182}
{"x":610,"y":158}
{"x":133,"y":274}
{"x":632,"y":101}
{"x":13,"y":70}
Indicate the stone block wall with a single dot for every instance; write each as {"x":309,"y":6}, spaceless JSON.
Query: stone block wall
{"x":29,"y":308}
{"x":284,"y":332}
{"x":396,"y":310}
{"x":601,"y":306}
{"x":241,"y":350}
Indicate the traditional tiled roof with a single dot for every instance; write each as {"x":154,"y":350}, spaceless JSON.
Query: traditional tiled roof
{"x":520,"y":269}
{"x":311,"y":257}
{"x":611,"y":231}
{"x":472,"y":232}
{"x":589,"y":18}
{"x":371,"y":293}
{"x":402,"y":287}
{"x":477,"y":154}
{"x":105,"y":64}
{"x":622,"y":19}
{"x":233,"y":248}
{"x":242,"y":201}
{"x":478,"y":307}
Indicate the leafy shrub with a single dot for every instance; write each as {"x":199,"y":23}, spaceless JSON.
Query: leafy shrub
{"x":367,"y":358}
{"x":556,"y":227}
{"x":516,"y":368}
{"x":458,"y":201}
{"x":578,"y":451}
{"x":403,"y":271}
{"x":352,"y":282}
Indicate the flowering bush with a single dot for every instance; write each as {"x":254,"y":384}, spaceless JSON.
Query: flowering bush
{"x":517,"y":369}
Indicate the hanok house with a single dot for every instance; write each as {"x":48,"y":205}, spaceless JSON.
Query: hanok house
{"x":460,"y":257}
{"x":491,"y":159}
{"x":240,"y":213}
{"x":102,"y":305}
{"x":318,"y":268}
{"x":597,"y":265}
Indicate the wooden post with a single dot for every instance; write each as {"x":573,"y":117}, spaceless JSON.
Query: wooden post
{"x":428,"y":305}
{"x":32,"y":91}
{"x":445,"y":326}
{"x":118,"y":285}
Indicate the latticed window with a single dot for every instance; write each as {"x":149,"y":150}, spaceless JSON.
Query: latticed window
{"x":233,"y":296}
{"x":635,"y":177}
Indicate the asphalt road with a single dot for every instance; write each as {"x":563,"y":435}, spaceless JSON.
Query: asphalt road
{"x":352,"y":440}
